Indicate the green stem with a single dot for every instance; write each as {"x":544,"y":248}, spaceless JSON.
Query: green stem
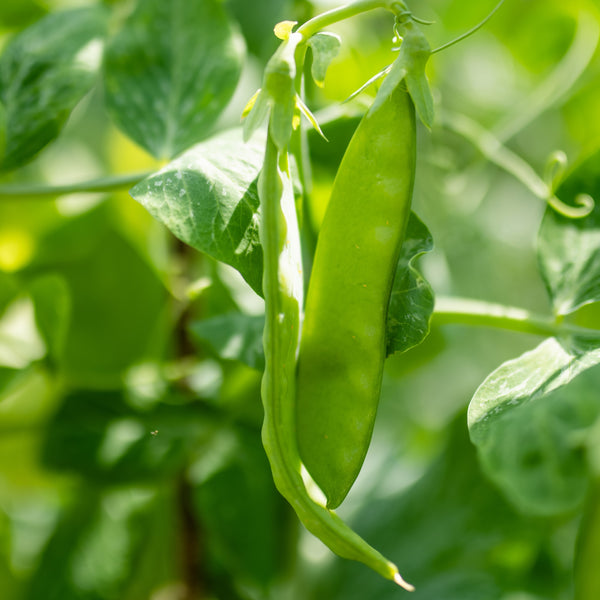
{"x":464,"y":311}
{"x":102,"y":184}
{"x":470,"y":32}
{"x":340,"y":13}
{"x":495,"y":151}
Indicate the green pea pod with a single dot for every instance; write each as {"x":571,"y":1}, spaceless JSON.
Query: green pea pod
{"x":282,"y":284}
{"x":342,"y":348}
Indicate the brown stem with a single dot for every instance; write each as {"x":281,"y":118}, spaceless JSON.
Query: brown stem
{"x":191,"y":549}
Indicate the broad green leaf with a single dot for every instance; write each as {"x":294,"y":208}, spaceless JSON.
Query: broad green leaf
{"x":411,"y":301}
{"x":208,"y":199}
{"x":527,"y":418}
{"x":325,"y":47}
{"x":117,"y":299}
{"x":118,"y":305}
{"x":569,"y":249}
{"x":170,"y":72}
{"x":44,"y":72}
{"x":98,"y":435}
{"x":531,"y":376}
{"x":233,"y":336}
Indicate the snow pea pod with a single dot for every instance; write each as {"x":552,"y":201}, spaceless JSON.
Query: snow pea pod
{"x":342,"y":348}
{"x":282,"y":284}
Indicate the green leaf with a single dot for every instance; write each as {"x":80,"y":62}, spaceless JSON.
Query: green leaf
{"x":170,"y":72}
{"x":109,"y":328}
{"x":527,"y":420}
{"x":233,"y":336}
{"x":325,"y":47}
{"x":569,"y":249}
{"x":411,"y":301}
{"x":106,"y":288}
{"x":208,"y":199}
{"x":98,"y":435}
{"x":44,"y":73}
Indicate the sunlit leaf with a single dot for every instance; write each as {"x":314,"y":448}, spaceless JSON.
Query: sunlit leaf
{"x":44,"y":73}
{"x":208,"y":199}
{"x":525,"y":418}
{"x":170,"y":72}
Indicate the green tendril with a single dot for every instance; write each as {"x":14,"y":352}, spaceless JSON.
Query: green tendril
{"x":471,"y":31}
{"x":585,"y":205}
{"x":556,"y":166}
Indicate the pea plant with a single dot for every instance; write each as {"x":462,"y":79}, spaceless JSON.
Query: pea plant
{"x":212,"y":281}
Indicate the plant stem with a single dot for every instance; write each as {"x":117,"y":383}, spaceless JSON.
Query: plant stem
{"x":495,"y":151}
{"x":464,"y":311}
{"x":191,"y":536}
{"x":339,"y":14}
{"x":102,"y":184}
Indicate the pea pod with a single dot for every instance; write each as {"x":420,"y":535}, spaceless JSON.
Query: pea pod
{"x":282,"y":284}
{"x":342,"y":348}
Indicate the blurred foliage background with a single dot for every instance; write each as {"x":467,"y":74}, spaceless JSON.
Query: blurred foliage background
{"x":130,"y":458}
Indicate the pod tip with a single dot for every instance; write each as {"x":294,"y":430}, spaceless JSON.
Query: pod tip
{"x":403,"y":584}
